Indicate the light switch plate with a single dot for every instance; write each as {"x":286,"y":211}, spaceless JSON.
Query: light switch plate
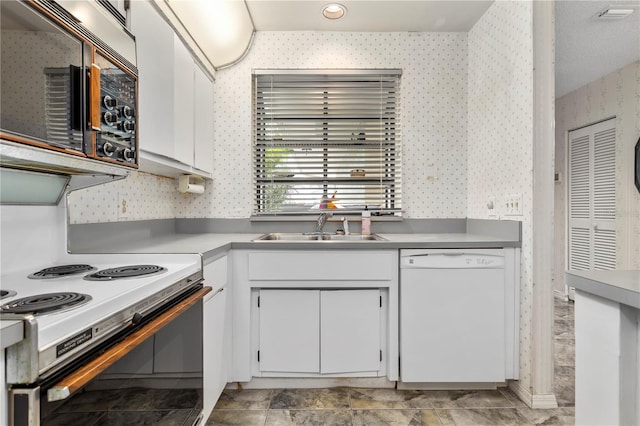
{"x":513,"y":205}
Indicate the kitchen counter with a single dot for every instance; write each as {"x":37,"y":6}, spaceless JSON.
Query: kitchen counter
{"x":10,"y":332}
{"x":607,"y":314}
{"x":619,"y":286}
{"x":212,"y":244}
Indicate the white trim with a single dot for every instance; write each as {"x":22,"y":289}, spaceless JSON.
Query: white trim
{"x":542,"y":347}
{"x":544,"y":401}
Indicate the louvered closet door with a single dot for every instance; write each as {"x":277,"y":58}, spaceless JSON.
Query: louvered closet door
{"x":592,"y":197}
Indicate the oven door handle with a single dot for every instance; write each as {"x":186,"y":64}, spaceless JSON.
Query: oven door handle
{"x":82,"y":376}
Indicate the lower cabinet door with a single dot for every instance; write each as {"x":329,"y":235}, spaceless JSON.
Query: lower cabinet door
{"x":214,"y":362}
{"x":289,"y":331}
{"x":350,"y":331}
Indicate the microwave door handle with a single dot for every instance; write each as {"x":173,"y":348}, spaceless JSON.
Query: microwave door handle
{"x":94,"y":97}
{"x":75,"y":76}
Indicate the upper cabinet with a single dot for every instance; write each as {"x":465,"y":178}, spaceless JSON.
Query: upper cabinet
{"x":175,"y":99}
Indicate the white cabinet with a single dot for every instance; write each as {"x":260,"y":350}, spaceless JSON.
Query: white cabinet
{"x":350,"y":331}
{"x":216,"y":333}
{"x":214,"y":360}
{"x":154,"y":45}
{"x":183,"y":102}
{"x":175,"y":100}
{"x":289,"y":326}
{"x":319,"y":331}
{"x":203,"y":116}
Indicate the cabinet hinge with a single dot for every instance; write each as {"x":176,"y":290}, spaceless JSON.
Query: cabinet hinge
{"x":381,"y":301}
{"x":258,"y":356}
{"x":380,"y":355}
{"x":258,"y":301}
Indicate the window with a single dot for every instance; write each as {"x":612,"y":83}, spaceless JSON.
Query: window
{"x":327,"y":139}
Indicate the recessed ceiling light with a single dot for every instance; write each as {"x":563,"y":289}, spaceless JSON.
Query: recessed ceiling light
{"x":333,"y":11}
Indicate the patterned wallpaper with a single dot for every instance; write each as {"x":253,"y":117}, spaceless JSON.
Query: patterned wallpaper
{"x":433,"y":111}
{"x":500,"y":155}
{"x":616,"y":94}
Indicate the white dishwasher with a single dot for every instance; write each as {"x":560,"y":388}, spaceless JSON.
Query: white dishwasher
{"x":452,"y":315}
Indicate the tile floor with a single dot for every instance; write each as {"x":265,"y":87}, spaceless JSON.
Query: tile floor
{"x":355,"y":406}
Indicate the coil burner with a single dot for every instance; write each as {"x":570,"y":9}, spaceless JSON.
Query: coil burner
{"x":121,"y":272}
{"x":45,"y":303}
{"x":61,"y":271}
{"x":7,"y":293}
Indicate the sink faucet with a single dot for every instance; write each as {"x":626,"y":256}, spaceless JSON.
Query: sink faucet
{"x":322,"y":219}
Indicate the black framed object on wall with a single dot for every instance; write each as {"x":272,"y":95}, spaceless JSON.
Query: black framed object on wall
{"x":637,"y":166}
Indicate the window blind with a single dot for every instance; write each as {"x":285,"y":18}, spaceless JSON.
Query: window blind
{"x":327,"y":140}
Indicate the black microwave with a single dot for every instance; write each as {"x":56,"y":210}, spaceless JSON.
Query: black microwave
{"x":63,"y":88}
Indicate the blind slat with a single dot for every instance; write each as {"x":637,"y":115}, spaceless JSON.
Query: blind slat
{"x":322,"y":138}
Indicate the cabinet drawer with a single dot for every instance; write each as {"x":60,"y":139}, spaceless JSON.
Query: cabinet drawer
{"x":323,"y":266}
{"x":215,"y":273}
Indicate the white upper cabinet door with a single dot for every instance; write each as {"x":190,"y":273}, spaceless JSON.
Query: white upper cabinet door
{"x":203,"y":125}
{"x":350,"y":331}
{"x":289,"y":331}
{"x":183,"y":98}
{"x":154,"y":45}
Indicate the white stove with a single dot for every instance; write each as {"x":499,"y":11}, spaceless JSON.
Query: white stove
{"x":112,"y":304}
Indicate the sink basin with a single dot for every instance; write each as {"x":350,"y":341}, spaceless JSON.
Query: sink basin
{"x":296,"y":236}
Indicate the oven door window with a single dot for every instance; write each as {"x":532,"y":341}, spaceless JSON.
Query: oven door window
{"x":41,"y":81}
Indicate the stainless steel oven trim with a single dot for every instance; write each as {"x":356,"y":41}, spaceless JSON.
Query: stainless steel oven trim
{"x":25,"y":364}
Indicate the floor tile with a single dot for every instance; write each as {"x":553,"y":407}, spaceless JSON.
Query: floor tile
{"x":469,"y":399}
{"x":157,"y":399}
{"x":554,"y":417}
{"x":145,"y":418}
{"x":310,"y":399}
{"x":564,"y":385}
{"x":246,"y":399}
{"x":482,"y":417}
{"x":389,"y":398}
{"x":563,"y":329}
{"x":237,"y":417}
{"x":92,"y":401}
{"x":309,"y":417}
{"x":65,"y":419}
{"x":396,"y":417}
{"x":565,"y":352}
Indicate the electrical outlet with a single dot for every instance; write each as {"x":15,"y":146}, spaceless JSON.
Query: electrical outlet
{"x":123,"y":206}
{"x":513,"y":205}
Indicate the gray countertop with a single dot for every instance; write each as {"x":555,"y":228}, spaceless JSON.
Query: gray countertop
{"x":621,"y":286}
{"x":213,"y":244}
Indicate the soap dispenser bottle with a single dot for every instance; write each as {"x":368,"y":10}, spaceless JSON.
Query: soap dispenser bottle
{"x":366,"y":222}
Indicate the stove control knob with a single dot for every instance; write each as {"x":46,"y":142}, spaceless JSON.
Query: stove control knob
{"x":110,"y":117}
{"x":127,"y":111}
{"x":108,"y":149}
{"x":128,"y":126}
{"x":109,"y":102}
{"x":136,"y":318}
{"x":128,"y":154}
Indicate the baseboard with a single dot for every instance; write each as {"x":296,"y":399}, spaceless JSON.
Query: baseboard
{"x":449,"y":386}
{"x":560,"y":295}
{"x":312,"y":383}
{"x":533,"y":401}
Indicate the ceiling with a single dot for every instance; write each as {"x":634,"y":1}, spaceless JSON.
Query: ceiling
{"x":367,"y":15}
{"x":588,"y":48}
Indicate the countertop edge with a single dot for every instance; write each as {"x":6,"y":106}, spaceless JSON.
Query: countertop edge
{"x":11,"y":332}
{"x":605,"y":290}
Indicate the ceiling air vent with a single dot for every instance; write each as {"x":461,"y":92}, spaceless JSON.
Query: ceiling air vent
{"x":615,"y":12}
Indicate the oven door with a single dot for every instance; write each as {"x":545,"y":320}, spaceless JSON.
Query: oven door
{"x":153,"y":375}
{"x":42,"y":81}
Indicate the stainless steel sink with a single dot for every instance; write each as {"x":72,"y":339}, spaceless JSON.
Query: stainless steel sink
{"x":297,"y":236}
